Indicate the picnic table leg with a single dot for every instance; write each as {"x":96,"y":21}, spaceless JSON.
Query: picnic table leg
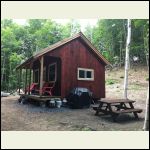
{"x":135,"y":113}
{"x":99,"y":108}
{"x":114,"y":116}
{"x":121,"y":106}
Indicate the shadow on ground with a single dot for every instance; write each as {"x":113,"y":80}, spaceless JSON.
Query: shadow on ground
{"x":122,"y":119}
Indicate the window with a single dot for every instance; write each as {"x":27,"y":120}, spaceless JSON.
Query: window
{"x":85,"y":74}
{"x":36,"y":75}
{"x":52,"y":72}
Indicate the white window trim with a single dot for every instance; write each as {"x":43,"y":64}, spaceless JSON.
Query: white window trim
{"x":86,"y":79}
{"x":55,"y":71}
{"x":34,"y":75}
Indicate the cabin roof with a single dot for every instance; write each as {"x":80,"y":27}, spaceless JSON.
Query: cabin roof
{"x":61,"y":43}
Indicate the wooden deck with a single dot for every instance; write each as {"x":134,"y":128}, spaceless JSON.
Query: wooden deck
{"x":40,"y":98}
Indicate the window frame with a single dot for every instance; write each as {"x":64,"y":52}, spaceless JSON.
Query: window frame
{"x":85,"y":74}
{"x":55,"y":64}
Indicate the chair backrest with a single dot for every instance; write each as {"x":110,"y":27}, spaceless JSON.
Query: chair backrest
{"x":46,"y":84}
{"x":32,"y":86}
{"x":51,"y":84}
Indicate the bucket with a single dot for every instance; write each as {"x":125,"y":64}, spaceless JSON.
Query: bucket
{"x":64,"y":102}
{"x":52,"y":103}
{"x":58,"y":103}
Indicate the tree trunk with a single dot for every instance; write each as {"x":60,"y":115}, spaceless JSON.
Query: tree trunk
{"x":2,"y":77}
{"x":146,"y":45}
{"x":41,"y":74}
{"x":9,"y":77}
{"x":127,"y":59}
{"x":146,"y":121}
{"x":120,"y":52}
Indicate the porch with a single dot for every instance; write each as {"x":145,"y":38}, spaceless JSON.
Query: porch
{"x":39,"y":98}
{"x":42,"y":77}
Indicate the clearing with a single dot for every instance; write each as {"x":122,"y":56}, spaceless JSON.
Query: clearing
{"x":17,"y":117}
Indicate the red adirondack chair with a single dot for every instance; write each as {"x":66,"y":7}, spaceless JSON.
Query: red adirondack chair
{"x":32,"y":87}
{"x":47,"y":88}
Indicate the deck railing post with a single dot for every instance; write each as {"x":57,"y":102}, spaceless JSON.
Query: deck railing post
{"x":41,"y":74}
{"x":25,"y":82}
{"x":19,"y":80}
{"x":29,"y":81}
{"x":18,"y":73}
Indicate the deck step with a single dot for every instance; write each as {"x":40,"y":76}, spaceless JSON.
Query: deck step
{"x":128,"y":111}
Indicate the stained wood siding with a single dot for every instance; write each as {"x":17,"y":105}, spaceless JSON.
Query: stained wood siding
{"x":76,"y":54}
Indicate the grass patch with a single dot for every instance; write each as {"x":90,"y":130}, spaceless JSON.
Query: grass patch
{"x":147,"y":79}
{"x":82,"y":128}
{"x":111,"y":81}
{"x":87,"y":129}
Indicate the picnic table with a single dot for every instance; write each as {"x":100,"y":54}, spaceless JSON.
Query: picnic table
{"x":114,"y":107}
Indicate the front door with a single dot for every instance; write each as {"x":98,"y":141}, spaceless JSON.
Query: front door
{"x":52,"y":72}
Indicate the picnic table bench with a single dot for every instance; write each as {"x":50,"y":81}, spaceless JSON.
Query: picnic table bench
{"x":115,"y":107}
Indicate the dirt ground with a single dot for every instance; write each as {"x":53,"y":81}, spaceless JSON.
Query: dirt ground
{"x":29,"y":117}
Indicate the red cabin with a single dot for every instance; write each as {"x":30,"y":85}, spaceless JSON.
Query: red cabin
{"x":72,"y":62}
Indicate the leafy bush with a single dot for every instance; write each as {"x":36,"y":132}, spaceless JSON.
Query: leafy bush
{"x":111,"y":81}
{"x":147,"y":79}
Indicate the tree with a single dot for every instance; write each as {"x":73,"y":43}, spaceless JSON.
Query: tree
{"x":48,"y":34}
{"x":146,"y":121}
{"x":75,"y":27}
{"x":107,"y":35}
{"x":89,"y":32}
{"x":127,"y":59}
{"x":9,"y":45}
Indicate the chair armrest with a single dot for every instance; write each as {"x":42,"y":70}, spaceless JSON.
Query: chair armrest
{"x":47,"y":88}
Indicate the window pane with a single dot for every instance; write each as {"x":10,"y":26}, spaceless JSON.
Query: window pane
{"x":81,"y":74}
{"x":52,"y":68}
{"x":52,"y":77}
{"x":89,"y":74}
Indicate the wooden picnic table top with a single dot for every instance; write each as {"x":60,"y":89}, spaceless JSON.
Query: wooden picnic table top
{"x":111,"y":101}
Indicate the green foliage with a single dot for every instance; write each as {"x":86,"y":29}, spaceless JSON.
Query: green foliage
{"x":89,"y":32}
{"x":111,"y":81}
{"x":116,"y":60}
{"x":19,"y":42}
{"x":147,"y":79}
{"x":110,"y":35}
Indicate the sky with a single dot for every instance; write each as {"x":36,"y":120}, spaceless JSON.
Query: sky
{"x":83,"y":22}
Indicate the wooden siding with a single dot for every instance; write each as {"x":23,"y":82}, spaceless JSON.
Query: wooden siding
{"x":76,"y":54}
